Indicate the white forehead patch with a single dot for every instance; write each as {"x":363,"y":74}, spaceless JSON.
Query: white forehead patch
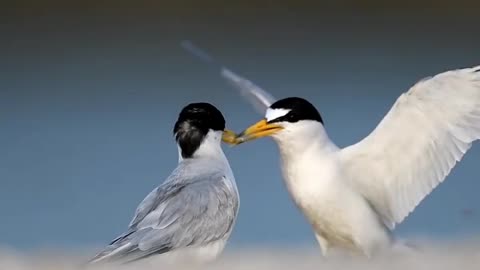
{"x":272,"y":114}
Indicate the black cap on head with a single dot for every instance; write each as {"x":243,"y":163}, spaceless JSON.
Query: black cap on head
{"x":300,"y":109}
{"x":193,"y":124}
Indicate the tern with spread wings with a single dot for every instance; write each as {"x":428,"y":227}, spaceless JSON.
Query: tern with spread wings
{"x":354,"y":196}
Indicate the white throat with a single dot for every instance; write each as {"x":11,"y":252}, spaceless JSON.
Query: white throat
{"x":308,"y":157}
{"x":302,"y":137}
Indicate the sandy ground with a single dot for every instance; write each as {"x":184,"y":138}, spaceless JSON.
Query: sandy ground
{"x":438,"y":255}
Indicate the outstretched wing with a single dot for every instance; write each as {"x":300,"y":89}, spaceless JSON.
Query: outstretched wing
{"x":259,"y":98}
{"x":417,"y":144}
{"x":175,"y":216}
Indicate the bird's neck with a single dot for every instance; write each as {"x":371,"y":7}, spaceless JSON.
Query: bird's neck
{"x":301,"y":140}
{"x":210,"y":148}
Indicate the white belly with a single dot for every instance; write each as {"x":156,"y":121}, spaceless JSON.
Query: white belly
{"x":338,"y":215}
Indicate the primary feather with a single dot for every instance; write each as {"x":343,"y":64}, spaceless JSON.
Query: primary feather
{"x":416,"y":145}
{"x":259,"y":98}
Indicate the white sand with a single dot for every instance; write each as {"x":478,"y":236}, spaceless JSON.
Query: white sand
{"x":434,"y":255}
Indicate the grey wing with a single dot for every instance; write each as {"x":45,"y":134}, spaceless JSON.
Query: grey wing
{"x":146,"y":206}
{"x":183,"y":215}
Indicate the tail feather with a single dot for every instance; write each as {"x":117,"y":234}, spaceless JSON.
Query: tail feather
{"x":111,"y":253}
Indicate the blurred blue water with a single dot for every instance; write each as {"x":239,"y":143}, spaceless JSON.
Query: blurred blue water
{"x":87,"y":109}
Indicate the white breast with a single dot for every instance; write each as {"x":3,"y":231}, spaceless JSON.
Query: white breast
{"x":314,"y":178}
{"x":309,"y":166}
{"x":336,"y":212}
{"x":309,"y":179}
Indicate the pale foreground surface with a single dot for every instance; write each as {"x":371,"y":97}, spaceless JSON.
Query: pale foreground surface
{"x":434,"y":255}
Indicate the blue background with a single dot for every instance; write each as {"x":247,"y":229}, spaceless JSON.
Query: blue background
{"x":89,"y":95}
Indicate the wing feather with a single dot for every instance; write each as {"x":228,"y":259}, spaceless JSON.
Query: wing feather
{"x":417,"y":144}
{"x":256,"y":96}
{"x":175,"y":216}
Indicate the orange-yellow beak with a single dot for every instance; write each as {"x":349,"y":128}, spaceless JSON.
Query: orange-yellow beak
{"x":229,"y":137}
{"x":258,"y":130}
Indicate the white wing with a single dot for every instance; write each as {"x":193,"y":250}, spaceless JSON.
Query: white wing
{"x":416,"y":145}
{"x":259,"y":98}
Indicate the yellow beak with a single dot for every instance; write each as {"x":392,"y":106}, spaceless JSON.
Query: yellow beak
{"x":229,"y":137}
{"x":260,"y":129}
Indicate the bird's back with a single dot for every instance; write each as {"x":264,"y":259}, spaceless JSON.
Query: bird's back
{"x":192,"y":213}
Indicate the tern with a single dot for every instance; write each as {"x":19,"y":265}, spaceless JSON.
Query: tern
{"x":190,"y":216}
{"x":353,"y":197}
